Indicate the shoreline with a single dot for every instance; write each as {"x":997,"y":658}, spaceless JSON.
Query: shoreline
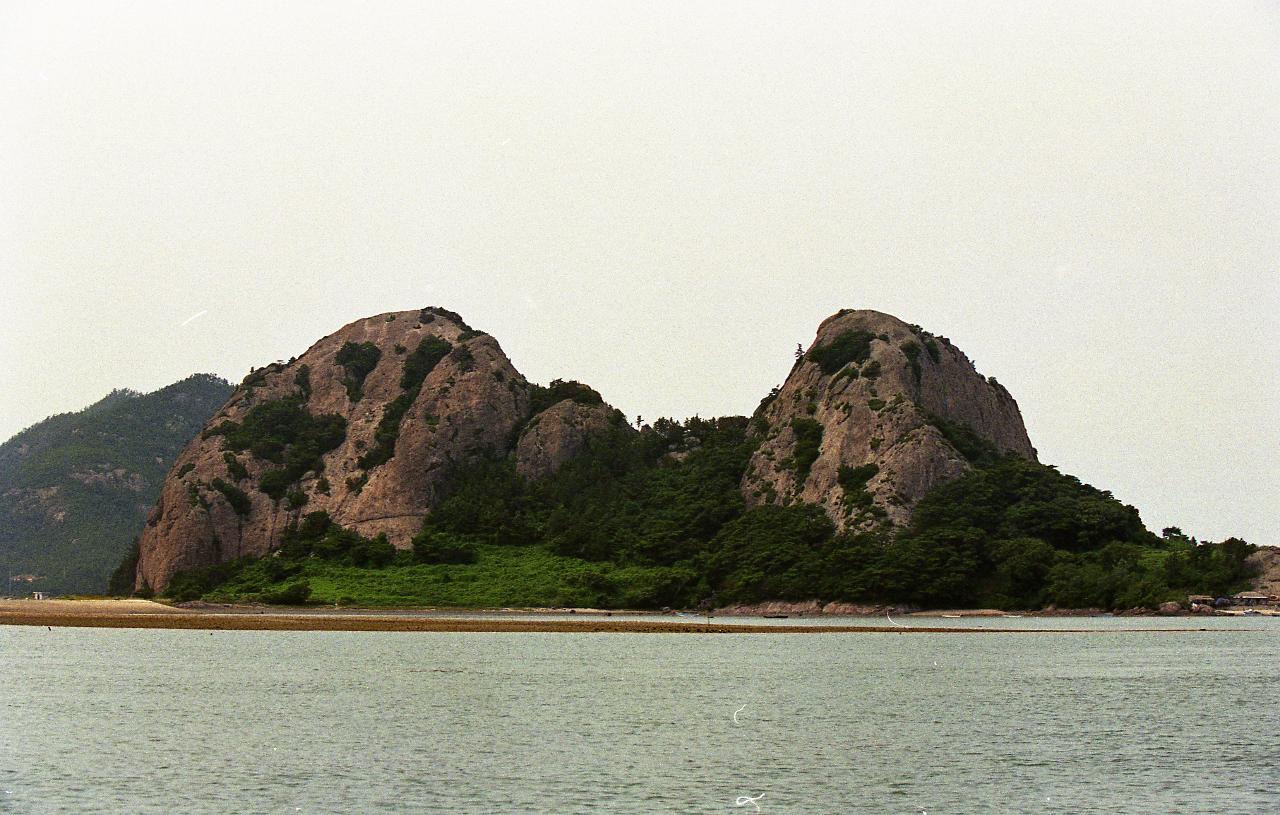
{"x":148,"y":614}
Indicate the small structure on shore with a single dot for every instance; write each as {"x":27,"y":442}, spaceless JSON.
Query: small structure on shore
{"x":38,"y":595}
{"x":1250,"y":598}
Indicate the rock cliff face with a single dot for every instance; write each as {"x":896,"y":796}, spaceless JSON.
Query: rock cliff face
{"x":366,"y":426}
{"x":558,"y":434}
{"x":1267,"y":562}
{"x":873,"y":415}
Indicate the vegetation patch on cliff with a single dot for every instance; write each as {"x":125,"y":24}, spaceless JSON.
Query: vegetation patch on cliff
{"x":235,"y":496}
{"x":969,"y":443}
{"x":417,"y":366}
{"x":911,"y":350}
{"x":853,"y":483}
{"x":848,"y":346}
{"x":541,"y":398}
{"x":808,"y":435}
{"x":283,"y":432}
{"x":428,"y":315}
{"x":358,"y":361}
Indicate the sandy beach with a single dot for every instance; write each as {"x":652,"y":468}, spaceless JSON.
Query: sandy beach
{"x":132,"y":613}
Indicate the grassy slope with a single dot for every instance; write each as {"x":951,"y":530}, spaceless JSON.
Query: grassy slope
{"x":516,"y":576}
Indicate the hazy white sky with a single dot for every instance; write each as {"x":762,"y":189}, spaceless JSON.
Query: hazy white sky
{"x":662,"y":199}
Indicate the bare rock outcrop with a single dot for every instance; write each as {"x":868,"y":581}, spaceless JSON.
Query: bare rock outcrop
{"x":559,"y":433}
{"x":366,"y":425}
{"x":1266,"y":561}
{"x":872,"y":416}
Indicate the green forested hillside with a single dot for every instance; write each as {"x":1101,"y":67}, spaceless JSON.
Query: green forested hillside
{"x":656,"y":518}
{"x":76,"y":488}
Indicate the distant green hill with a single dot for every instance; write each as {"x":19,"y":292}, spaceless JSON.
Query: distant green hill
{"x":76,"y":488}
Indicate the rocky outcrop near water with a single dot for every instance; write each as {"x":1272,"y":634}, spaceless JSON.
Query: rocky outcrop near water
{"x":872,"y":416}
{"x":367,"y":426}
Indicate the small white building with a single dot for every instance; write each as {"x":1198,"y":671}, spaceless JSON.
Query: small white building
{"x":38,"y":595}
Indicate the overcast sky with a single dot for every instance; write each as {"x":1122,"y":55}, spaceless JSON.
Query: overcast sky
{"x":662,"y":199}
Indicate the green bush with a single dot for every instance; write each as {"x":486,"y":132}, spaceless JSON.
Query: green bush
{"x":283,"y":432}
{"x":430,"y":313}
{"x":849,"y":346}
{"x":852,"y":478}
{"x":911,"y":350}
{"x":439,"y":547}
{"x":235,"y":468}
{"x":358,"y":360}
{"x":853,"y":483}
{"x":871,"y":370}
{"x":193,"y":584}
{"x":258,"y":376}
{"x":387,"y":433}
{"x":541,"y":398}
{"x":291,"y":594}
{"x":463,"y":358}
{"x":318,"y":537}
{"x":235,"y":496}
{"x":975,"y":448}
{"x":373,"y":553}
{"x":486,"y":502}
{"x":423,"y":360}
{"x":275,"y":483}
{"x":847,"y":372}
{"x":808,"y":435}
{"x":931,"y":347}
{"x":766,"y":401}
{"x":303,"y":380}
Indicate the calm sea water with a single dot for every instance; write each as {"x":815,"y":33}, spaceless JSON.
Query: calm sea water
{"x":134,"y":721}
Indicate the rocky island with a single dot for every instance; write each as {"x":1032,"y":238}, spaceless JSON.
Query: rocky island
{"x":404,"y":460}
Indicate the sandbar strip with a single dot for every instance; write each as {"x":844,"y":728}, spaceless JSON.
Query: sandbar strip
{"x":315,"y":622}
